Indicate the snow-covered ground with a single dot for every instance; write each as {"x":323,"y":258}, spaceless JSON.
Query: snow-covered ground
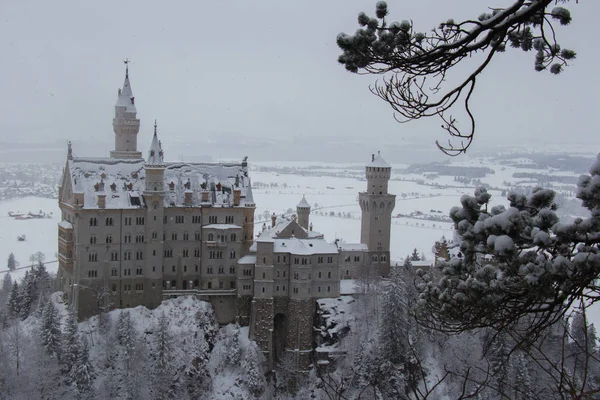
{"x":41,"y":234}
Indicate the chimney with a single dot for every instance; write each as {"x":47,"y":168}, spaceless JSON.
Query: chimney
{"x":101,"y":200}
{"x":187,"y":197}
{"x":237,"y":193}
{"x":310,"y":227}
{"x":372,"y":157}
{"x":273,"y":220}
{"x":205,"y":196}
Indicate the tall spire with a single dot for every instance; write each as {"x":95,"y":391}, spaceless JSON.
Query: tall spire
{"x":155,"y":155}
{"x":249,"y":196}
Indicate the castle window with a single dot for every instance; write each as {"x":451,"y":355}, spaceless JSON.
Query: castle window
{"x":164,"y":219}
{"x":277,"y":288}
{"x":93,"y":257}
{"x":232,"y":254}
{"x":93,"y":222}
{"x":139,"y":238}
{"x":154,"y":235}
{"x":127,"y":220}
{"x":346,"y":272}
{"x":233,"y":237}
{"x":168,"y":253}
{"x":109,"y":221}
{"x":114,"y":256}
{"x":296,"y":260}
{"x":196,"y":219}
{"x":138,"y":271}
{"x":284,"y":274}
{"x":197,"y":236}
{"x":284,"y":259}
{"x":229,"y":219}
{"x":319,"y":274}
{"x":185,"y":268}
{"x":328,"y":289}
{"x":196,"y":267}
{"x":357,"y":258}
{"x":126,"y":272}
{"x":232,"y":284}
{"x":173,"y":268}
{"x":212,"y":219}
{"x":92,"y":239}
{"x":184,"y":284}
{"x":283,"y":289}
{"x":383,"y":258}
{"x":295,"y":275}
{"x":185,"y":253}
{"x":232,"y":270}
{"x":320,"y":259}
{"x":295,"y":290}
{"x":114,"y":287}
{"x":221,"y":270}
{"x":211,"y":237}
{"x":319,"y":289}
{"x":186,"y":236}
{"x":127,"y":255}
{"x":209,"y":285}
{"x":247,"y":272}
{"x":375,"y":258}
{"x":127,"y":239}
{"x":139,"y":220}
{"x":278,"y":274}
{"x":329,"y":274}
{"x":264,"y":275}
{"x":264,"y":260}
{"x":174,"y":284}
{"x":263,"y":290}
{"x":113,"y":272}
{"x":209,"y":270}
{"x":108,"y":239}
{"x":195,"y":282}
{"x":153,"y":269}
{"x":174,"y":236}
{"x":139,"y":255}
{"x":93,"y":273}
{"x":329,"y":260}
{"x":179,"y":219}
{"x":220,"y":285}
{"x":196,"y":252}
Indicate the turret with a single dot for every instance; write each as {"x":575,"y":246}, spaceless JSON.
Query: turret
{"x":303,"y":212}
{"x":378,"y":173}
{"x":155,"y":167}
{"x":126,"y":125}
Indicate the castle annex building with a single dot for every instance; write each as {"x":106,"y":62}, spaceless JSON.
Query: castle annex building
{"x":135,"y":231}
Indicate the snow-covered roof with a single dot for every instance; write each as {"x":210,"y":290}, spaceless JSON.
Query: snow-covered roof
{"x":222,"y":226}
{"x":378,"y":161}
{"x":249,"y":259}
{"x":353,"y":247}
{"x":249,"y":196}
{"x":304,"y":246}
{"x":280,"y":225}
{"x":65,"y":224}
{"x":303,"y":203}
{"x":125,"y":179}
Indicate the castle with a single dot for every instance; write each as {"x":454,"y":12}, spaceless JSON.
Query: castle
{"x":135,"y":231}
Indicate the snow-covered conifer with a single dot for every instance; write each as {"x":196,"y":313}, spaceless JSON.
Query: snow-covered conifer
{"x":522,"y":378}
{"x":253,"y":377}
{"x":13,"y":303}
{"x":50,"y":333}
{"x":232,"y":347}
{"x":12,"y":263}
{"x":82,"y":373}
{"x":27,"y":295}
{"x":415,"y":255}
{"x":164,"y":382}
{"x":394,"y":327}
{"x":198,"y":380}
{"x":71,"y":345}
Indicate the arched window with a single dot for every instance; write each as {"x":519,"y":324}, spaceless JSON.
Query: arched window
{"x":211,"y":237}
{"x":209,"y":285}
{"x":263,"y":290}
{"x":233,"y":237}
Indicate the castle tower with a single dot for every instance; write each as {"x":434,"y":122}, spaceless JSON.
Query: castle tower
{"x":154,"y":193}
{"x":126,"y":125}
{"x":376,"y":220}
{"x":303,"y":212}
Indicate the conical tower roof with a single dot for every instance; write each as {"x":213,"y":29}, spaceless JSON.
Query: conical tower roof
{"x":126,"y":98}
{"x":249,"y":195}
{"x":303,"y":203}
{"x":378,"y":161}
{"x":155,"y":155}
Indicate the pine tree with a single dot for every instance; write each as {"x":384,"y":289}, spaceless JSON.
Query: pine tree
{"x":415,"y":255}
{"x":14,"y":301}
{"x":394,"y":329}
{"x":252,"y":377}
{"x":27,"y":295}
{"x":50,"y":333}
{"x":127,"y":339}
{"x":71,"y":346}
{"x":198,"y":380}
{"x":500,"y":366}
{"x":232,"y":346}
{"x":163,"y":385}
{"x":12,"y":263}
{"x":82,"y":371}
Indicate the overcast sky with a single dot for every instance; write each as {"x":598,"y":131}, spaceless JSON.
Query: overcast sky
{"x":263,"y":69}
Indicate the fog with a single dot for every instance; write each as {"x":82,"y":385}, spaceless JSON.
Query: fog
{"x":236,"y":78}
